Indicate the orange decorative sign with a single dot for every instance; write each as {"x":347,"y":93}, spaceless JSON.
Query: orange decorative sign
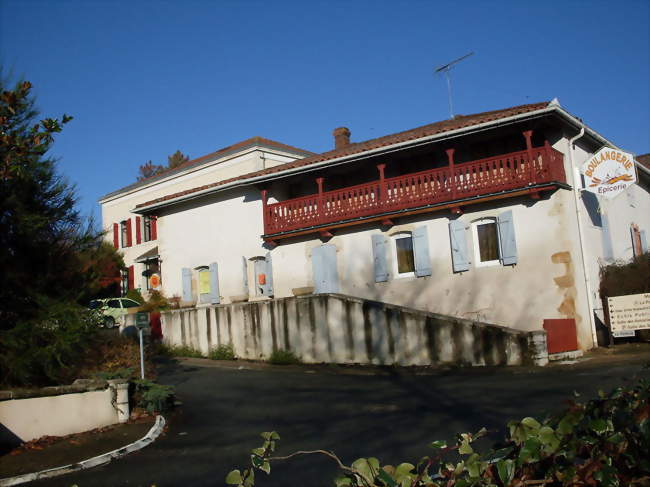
{"x":261,"y":279}
{"x":154,"y":281}
{"x":609,"y":172}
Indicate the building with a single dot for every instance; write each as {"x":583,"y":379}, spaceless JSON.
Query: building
{"x":480,"y":217}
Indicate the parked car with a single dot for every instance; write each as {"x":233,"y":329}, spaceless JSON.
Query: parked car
{"x":113,"y":310}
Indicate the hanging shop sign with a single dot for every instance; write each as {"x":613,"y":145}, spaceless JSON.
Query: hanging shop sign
{"x":609,"y":172}
{"x":629,"y":313}
{"x":154,"y":281}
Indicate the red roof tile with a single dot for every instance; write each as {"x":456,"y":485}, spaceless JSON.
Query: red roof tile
{"x":458,"y":122}
{"x":644,"y":159}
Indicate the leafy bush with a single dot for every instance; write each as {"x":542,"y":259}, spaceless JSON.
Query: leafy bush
{"x":222,"y":352}
{"x":43,"y":350}
{"x":123,"y":373}
{"x":604,"y":442}
{"x":619,"y":279}
{"x":152,"y":396}
{"x":135,"y":295}
{"x":284,"y":357}
{"x":156,"y":302}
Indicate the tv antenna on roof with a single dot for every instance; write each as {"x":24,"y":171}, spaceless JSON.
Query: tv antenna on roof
{"x":445,"y":69}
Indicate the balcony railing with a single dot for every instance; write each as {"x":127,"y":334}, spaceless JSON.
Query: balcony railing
{"x":456,"y":182}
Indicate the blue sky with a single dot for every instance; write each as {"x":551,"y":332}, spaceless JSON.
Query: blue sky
{"x":145,"y":78}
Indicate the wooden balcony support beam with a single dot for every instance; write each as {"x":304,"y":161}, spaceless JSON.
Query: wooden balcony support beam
{"x":452,"y":171}
{"x":265,"y":208}
{"x":528,"y":135}
{"x":382,"y":181}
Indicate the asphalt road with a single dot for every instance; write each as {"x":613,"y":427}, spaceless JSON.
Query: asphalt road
{"x":388,"y":413}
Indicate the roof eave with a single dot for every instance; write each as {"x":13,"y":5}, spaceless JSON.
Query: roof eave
{"x":551,"y":108}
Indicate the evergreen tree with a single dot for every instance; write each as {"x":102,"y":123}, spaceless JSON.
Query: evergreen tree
{"x":176,"y":159}
{"x":42,"y":235}
{"x":148,"y":170}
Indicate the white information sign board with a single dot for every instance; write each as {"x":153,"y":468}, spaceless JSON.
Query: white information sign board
{"x":609,"y":172}
{"x":627,"y":313}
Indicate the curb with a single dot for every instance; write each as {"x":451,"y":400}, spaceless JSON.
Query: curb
{"x":147,"y":439}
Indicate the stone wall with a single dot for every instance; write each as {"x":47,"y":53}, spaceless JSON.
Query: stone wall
{"x":333,"y":328}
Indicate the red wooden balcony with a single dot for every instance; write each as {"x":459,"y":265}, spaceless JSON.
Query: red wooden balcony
{"x":531,"y":170}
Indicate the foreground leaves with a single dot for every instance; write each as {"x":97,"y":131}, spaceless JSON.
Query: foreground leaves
{"x":604,"y":442}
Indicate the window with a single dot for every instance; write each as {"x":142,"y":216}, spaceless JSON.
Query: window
{"x":494,"y":242}
{"x":404,"y":262}
{"x":114,"y":303}
{"x":125,"y":282}
{"x":146,"y":226}
{"x":124,"y":230}
{"x":205,"y":285}
{"x":486,"y":242}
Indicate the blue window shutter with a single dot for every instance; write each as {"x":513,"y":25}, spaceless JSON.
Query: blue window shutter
{"x":269,"y":275}
{"x":215,"y":298}
{"x":326,"y":278}
{"x":379,"y":258}
{"x":644,"y":242}
{"x":458,"y":240}
{"x":421,"y":252}
{"x":245,"y":274}
{"x":187,"y":284}
{"x":507,"y":242}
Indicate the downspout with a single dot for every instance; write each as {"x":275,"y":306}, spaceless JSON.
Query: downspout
{"x":575,"y":176}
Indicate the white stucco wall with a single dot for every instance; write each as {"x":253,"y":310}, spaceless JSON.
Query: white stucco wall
{"x":548,"y":281}
{"x":62,"y":415}
{"x":118,"y":207}
{"x":613,"y":221}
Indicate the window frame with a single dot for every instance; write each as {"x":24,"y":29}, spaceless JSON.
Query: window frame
{"x":476,"y":244}
{"x":124,"y":282}
{"x":146,"y":228}
{"x":124,"y":233}
{"x":395,"y":264}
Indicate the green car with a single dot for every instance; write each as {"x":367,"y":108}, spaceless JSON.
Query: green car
{"x":114,"y":310}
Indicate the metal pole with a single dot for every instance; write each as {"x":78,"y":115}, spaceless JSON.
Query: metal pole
{"x":451,"y":111}
{"x":141,"y":354}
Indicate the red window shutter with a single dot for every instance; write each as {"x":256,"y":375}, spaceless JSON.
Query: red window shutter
{"x":116,"y":235}
{"x":138,"y":231}
{"x":129,"y":239}
{"x":131,"y":278}
{"x":154,"y":227}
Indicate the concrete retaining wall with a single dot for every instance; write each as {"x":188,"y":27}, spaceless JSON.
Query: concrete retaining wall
{"x":332,"y":328}
{"x":58,"y":411}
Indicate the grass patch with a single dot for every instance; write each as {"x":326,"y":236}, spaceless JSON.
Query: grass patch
{"x":284,"y":357}
{"x":222,"y":352}
{"x":178,"y":351}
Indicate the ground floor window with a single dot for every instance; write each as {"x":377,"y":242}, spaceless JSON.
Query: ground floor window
{"x":486,"y":242}
{"x":404,"y":262}
{"x":124,"y":284}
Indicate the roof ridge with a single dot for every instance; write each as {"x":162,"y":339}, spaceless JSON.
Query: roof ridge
{"x":198,"y":160}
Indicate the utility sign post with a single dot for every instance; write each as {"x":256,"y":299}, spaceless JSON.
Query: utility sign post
{"x":609,"y":172}
{"x":141,"y":322}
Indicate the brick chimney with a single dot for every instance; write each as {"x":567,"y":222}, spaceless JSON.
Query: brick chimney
{"x":341,"y":137}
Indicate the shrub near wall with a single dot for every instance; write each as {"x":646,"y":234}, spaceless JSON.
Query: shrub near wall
{"x":620,"y":279}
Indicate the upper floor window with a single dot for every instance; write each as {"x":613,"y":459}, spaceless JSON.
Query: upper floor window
{"x":146,"y":226}
{"x":124,"y":231}
{"x":404,"y":262}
